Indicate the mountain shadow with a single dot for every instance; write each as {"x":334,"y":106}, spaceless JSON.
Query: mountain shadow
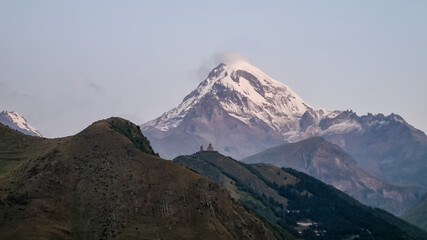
{"x":304,"y":206}
{"x":332,"y":165}
{"x":417,"y":214}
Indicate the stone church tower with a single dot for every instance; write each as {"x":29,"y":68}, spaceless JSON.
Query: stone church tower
{"x":210,"y":148}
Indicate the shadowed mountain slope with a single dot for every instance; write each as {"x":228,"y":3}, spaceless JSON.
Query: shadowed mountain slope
{"x":332,"y":165}
{"x":417,"y":215}
{"x":303,"y":205}
{"x":106,"y":182}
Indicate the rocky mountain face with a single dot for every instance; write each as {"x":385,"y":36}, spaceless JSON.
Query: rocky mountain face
{"x":15,"y":121}
{"x":384,"y":146}
{"x":332,"y":165}
{"x":303,"y":206}
{"x":106,"y":182}
{"x":243,"y":111}
{"x":237,"y":108}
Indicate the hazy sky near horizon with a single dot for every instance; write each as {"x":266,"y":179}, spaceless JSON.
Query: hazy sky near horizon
{"x":66,"y":64}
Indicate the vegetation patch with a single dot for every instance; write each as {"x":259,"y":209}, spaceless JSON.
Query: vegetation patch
{"x":133,"y":133}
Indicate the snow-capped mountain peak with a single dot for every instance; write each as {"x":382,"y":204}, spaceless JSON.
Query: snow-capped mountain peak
{"x":245,"y":93}
{"x":16,"y":121}
{"x":243,"y":111}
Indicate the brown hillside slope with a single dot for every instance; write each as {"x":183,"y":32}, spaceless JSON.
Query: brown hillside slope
{"x":106,"y":182}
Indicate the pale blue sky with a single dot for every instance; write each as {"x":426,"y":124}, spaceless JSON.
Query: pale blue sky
{"x":66,"y":64}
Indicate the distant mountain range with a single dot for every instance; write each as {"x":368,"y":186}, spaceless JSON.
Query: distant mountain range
{"x":243,"y":111}
{"x":385,"y":146}
{"x":15,"y":121}
{"x":329,"y":163}
{"x":106,"y":182}
{"x":302,"y":205}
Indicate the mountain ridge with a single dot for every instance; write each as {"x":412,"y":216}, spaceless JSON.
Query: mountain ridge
{"x":304,"y":206}
{"x":242,"y":111}
{"x":106,"y":182}
{"x":329,"y":163}
{"x":254,"y":89}
{"x":16,"y":121}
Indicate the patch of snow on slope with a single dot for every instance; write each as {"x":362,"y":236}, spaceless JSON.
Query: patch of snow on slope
{"x":276,"y":106}
{"x":20,"y":122}
{"x":343,"y":127}
{"x":174,"y":117}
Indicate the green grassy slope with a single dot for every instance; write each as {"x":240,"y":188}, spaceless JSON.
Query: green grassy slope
{"x":417,"y":215}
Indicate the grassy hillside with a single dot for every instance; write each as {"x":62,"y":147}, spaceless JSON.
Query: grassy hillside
{"x":417,"y":215}
{"x":106,"y":182}
{"x":303,"y":205}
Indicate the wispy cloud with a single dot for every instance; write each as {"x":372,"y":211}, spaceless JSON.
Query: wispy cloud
{"x":227,"y":57}
{"x":93,"y":85}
